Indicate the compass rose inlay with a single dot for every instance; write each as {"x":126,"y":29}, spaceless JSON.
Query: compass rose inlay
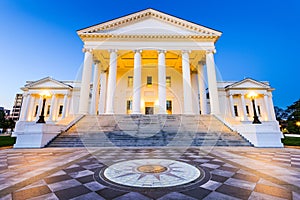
{"x":151,"y":173}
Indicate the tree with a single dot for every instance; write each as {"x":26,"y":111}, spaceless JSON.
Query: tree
{"x":294,"y":117}
{"x":281,"y":114}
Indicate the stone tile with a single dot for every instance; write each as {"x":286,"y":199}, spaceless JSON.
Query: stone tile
{"x":75,"y":169}
{"x":63,"y":185}
{"x":208,"y":165}
{"x":50,"y":196}
{"x":246,"y":177}
{"x":35,"y":184}
{"x":222,"y":173}
{"x":240,"y":183}
{"x":7,"y":197}
{"x":94,"y":186}
{"x":79,"y":174}
{"x":274,"y":191}
{"x":175,"y":196}
{"x":219,"y":196}
{"x":61,"y":172}
{"x":108,"y":193}
{"x":131,"y":196}
{"x":200,"y":160}
{"x":218,"y":178}
{"x":231,"y":169}
{"x":296,"y":195}
{"x":198,"y":193}
{"x":234,"y":191}
{"x":31,"y":192}
{"x":261,"y":196}
{"x":85,"y":179}
{"x":55,"y":179}
{"x":72,"y":192}
{"x":211,"y":185}
{"x":88,"y":196}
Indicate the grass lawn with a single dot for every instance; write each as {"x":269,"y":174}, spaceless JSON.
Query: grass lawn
{"x":7,"y":141}
{"x":291,"y":141}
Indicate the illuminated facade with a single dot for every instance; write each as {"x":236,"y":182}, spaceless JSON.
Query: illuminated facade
{"x":150,"y":62}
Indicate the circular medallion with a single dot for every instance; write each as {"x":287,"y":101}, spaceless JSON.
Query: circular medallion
{"x":151,"y":173}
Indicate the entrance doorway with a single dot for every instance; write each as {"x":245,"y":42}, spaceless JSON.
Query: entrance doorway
{"x":149,"y":108}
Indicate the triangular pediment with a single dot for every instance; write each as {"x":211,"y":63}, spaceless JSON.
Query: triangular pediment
{"x":47,"y":82}
{"x":149,"y":22}
{"x":249,"y":83}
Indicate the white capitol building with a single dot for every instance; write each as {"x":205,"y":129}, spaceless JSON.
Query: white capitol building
{"x":147,"y":63}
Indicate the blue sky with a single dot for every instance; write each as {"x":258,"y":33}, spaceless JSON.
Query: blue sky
{"x":260,"y":39}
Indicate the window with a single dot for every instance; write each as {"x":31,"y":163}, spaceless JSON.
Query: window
{"x":130,"y":81}
{"x":48,"y":110}
{"x":258,"y":109}
{"x":247,"y":110}
{"x":36,"y":110}
{"x":169,"y":106}
{"x":129,"y":106}
{"x":149,"y":81}
{"x":168,"y":81}
{"x":236,"y":110}
{"x":60,"y":110}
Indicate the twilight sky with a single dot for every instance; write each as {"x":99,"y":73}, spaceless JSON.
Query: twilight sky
{"x":260,"y":39}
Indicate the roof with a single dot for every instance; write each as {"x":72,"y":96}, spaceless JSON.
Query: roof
{"x":114,"y":27}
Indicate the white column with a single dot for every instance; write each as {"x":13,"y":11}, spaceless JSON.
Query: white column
{"x":266,"y":101}
{"x":39,"y":108}
{"x":95,"y":91}
{"x":137,"y":83}
{"x":195,"y":93}
{"x":25,"y":107}
{"x":187,"y":88}
{"x":244,"y":107}
{"x":162,"y":82}
{"x":112,"y":78}
{"x":85,"y":82}
{"x":53,"y":98}
{"x":212,"y":83}
{"x":201,"y":87}
{"x":231,"y":105}
{"x":64,"y":106}
{"x":271,"y":107}
{"x":101,"y":106}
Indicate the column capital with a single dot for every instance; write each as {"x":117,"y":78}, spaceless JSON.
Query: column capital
{"x":162,"y":51}
{"x":186,"y":51}
{"x":213,"y":51}
{"x":138,"y":51}
{"x":84,"y":50}
{"x":112,"y":50}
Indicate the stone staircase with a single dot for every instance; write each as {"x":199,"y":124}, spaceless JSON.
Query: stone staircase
{"x":148,"y":130}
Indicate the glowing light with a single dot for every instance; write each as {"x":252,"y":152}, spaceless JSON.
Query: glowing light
{"x":252,"y":95}
{"x":45,"y":93}
{"x":298,"y":123}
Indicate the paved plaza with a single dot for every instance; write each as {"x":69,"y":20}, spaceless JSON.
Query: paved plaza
{"x":224,"y":173}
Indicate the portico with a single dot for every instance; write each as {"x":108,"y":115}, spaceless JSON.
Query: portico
{"x":148,"y":58}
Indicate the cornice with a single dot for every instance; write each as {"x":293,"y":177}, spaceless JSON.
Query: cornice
{"x":93,"y":37}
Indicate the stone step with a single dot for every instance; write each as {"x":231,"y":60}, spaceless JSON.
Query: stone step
{"x":148,"y":130}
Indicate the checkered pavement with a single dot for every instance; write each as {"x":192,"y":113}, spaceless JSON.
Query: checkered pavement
{"x":227,"y":181}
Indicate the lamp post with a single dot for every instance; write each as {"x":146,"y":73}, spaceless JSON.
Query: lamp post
{"x":42,"y":117}
{"x":252,"y":96}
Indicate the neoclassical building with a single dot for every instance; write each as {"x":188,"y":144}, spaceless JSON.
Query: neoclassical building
{"x":150,"y":62}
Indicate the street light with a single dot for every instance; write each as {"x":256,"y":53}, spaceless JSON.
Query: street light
{"x":252,"y":95}
{"x":42,"y":117}
{"x":298,"y":124}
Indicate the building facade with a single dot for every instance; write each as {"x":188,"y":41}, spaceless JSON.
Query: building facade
{"x":150,"y":62}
